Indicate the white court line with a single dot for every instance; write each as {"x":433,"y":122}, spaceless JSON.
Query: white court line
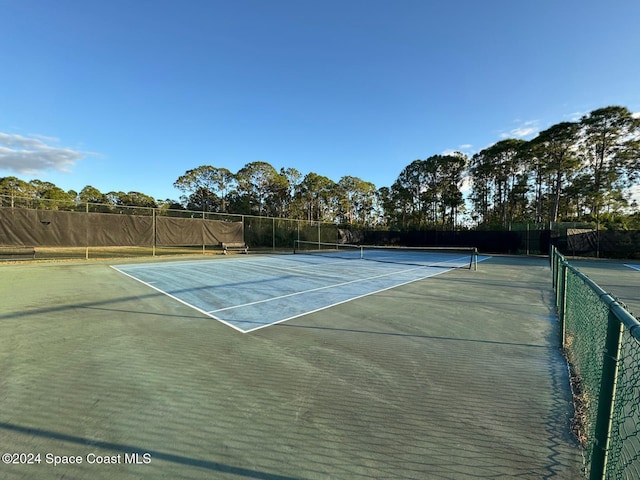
{"x":361,"y":262}
{"x":180,"y":263}
{"x":635,"y":267}
{"x":262,"y":262}
{"x":180,"y":300}
{"x":312,"y":269}
{"x":302,"y":292}
{"x":305,"y":269}
{"x":440,"y":272}
{"x":209,"y":313}
{"x":347,"y":300}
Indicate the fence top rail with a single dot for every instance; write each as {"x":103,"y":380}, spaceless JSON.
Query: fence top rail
{"x":618,"y":310}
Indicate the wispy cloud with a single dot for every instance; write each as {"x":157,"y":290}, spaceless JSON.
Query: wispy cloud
{"x":575,"y":116}
{"x":34,"y":154}
{"x":524,"y":129}
{"x":464,"y":148}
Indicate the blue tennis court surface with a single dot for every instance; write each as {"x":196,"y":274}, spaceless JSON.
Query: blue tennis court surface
{"x":248,"y":293}
{"x":635,"y":267}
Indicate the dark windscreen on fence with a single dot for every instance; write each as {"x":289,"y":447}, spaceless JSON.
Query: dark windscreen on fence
{"x":196,"y":231}
{"x":52,"y":228}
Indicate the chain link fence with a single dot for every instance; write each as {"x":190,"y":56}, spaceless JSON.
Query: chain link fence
{"x":280,"y":234}
{"x":46,"y":229}
{"x":267,"y":233}
{"x":601,"y":340}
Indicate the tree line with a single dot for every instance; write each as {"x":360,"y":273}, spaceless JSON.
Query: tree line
{"x":572,"y":171}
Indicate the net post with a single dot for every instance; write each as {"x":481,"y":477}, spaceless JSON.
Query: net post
{"x":474,"y":259}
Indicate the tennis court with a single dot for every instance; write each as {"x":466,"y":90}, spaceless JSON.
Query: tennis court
{"x":448,"y":376}
{"x":618,"y":277}
{"x":254,"y":292}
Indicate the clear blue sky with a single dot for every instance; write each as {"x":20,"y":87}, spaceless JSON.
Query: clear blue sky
{"x":127,"y":95}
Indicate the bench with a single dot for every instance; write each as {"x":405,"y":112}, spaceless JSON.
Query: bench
{"x":17,"y":252}
{"x":237,"y":246}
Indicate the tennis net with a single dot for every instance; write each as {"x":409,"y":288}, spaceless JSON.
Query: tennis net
{"x":444,"y":257}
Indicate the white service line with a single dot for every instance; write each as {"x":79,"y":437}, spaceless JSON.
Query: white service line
{"x":302,"y":292}
{"x":179,"y":300}
{"x":346,"y":300}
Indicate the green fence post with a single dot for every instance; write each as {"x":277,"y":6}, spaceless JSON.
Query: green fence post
{"x":561,"y":302}
{"x":554,"y":267}
{"x":86,"y":251}
{"x":155,"y":233}
{"x":607,"y":395}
